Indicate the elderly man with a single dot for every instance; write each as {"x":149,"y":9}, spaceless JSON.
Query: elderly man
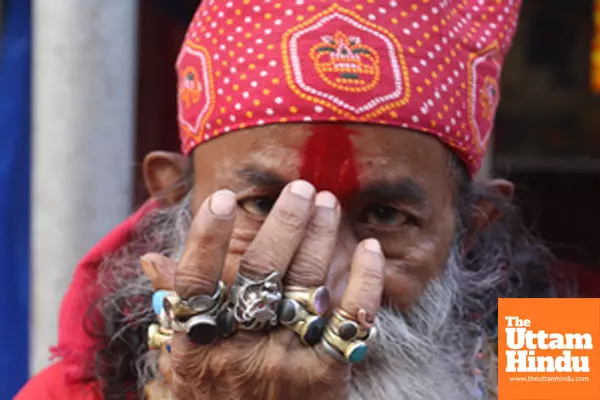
{"x":322,"y":235}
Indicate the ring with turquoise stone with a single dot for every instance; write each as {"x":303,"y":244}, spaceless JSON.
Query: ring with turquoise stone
{"x":157,"y":300}
{"x":352,"y":351}
{"x":356,"y":352}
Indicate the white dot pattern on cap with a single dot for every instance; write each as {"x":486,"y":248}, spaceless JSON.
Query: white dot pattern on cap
{"x":427,"y":65}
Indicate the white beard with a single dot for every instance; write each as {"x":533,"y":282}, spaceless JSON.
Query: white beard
{"x":424,"y":354}
{"x":427,"y":354}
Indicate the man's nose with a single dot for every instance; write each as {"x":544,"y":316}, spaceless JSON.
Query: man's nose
{"x":339,"y":268}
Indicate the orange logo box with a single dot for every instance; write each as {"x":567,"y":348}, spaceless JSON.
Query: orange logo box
{"x":549,"y":349}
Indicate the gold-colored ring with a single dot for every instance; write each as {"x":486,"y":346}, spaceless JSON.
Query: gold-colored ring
{"x":345,"y":314}
{"x":158,"y":337}
{"x":315,"y":299}
{"x":310,"y":329}
{"x":334,"y":340}
{"x":347,"y":328}
{"x":353,"y":351}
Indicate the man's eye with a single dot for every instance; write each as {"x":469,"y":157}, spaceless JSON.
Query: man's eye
{"x":383,"y":216}
{"x":260,"y":206}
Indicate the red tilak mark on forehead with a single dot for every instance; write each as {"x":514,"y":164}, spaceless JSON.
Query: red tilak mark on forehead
{"x":328,"y":161}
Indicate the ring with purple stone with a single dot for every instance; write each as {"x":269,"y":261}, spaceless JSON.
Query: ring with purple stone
{"x":316,"y":299}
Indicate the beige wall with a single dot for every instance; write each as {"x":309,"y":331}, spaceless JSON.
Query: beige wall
{"x":84,"y":62}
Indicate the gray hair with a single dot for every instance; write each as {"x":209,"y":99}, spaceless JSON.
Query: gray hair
{"x":424,"y":353}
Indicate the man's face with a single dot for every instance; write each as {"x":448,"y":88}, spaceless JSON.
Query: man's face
{"x":394,"y":185}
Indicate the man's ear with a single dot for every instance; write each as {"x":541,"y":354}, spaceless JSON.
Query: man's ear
{"x":486,"y":212}
{"x":163,"y":176}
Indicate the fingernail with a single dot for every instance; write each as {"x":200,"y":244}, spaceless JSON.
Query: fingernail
{"x":222,"y":203}
{"x":303,"y":189}
{"x":147,"y":263}
{"x":373,"y":245}
{"x":325,"y":199}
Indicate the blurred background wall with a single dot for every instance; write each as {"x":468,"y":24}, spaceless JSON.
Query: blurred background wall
{"x":83,"y":118}
{"x":104,"y":96}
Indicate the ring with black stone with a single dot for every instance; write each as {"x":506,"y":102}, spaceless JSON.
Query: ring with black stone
{"x":295,"y":317}
{"x":201,"y":329}
{"x":291,"y":312}
{"x":347,"y":329}
{"x":310,"y":329}
{"x":352,"y":351}
{"x":226,"y":322}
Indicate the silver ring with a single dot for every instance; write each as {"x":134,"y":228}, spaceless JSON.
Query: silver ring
{"x":255,"y":303}
{"x":333,"y":353}
{"x":177,"y":308}
{"x":163,"y":319}
{"x":203,"y":303}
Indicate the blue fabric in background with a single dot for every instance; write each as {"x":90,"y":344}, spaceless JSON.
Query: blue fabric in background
{"x":15,"y":83}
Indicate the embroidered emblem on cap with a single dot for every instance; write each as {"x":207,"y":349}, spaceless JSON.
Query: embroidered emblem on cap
{"x":345,"y":63}
{"x":191,"y":88}
{"x":196,"y":90}
{"x":489,"y":97}
{"x":336,"y":54}
{"x":484,"y":75}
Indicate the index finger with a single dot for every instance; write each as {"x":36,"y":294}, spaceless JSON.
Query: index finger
{"x":206,"y":246}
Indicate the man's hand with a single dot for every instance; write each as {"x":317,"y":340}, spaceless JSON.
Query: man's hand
{"x":296,"y":240}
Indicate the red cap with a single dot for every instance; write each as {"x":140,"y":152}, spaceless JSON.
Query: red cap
{"x":427,"y":65}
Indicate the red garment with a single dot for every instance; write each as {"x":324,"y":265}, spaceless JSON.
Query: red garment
{"x":66,"y":379}
{"x":50,"y":384}
{"x":63,"y":380}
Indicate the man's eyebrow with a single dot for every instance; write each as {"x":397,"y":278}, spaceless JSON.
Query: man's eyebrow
{"x":260,"y":177}
{"x":406,"y":190}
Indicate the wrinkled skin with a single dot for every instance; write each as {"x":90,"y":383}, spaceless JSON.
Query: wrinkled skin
{"x":311,"y":240}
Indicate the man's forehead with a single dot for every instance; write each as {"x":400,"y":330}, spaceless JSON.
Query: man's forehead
{"x":288,"y":151}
